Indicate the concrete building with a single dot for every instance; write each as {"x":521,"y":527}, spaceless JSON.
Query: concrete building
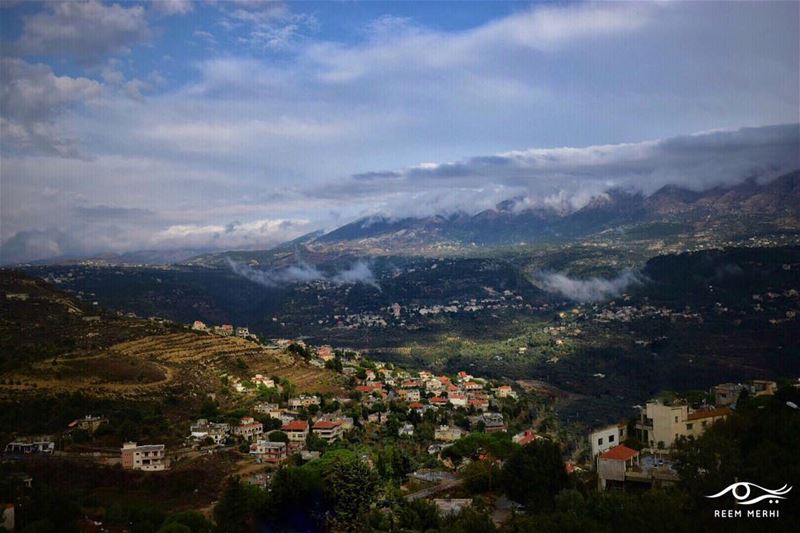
{"x":406,"y":431}
{"x":447,"y":433}
{"x":492,"y":422}
{"x":297,"y":430}
{"x":87,"y":423}
{"x":327,"y":430}
{"x":303,"y":401}
{"x":726,"y":394}
{"x":270,"y":452}
{"x":621,"y":466}
{"x":660,"y":425}
{"x":148,"y":457}
{"x":612,"y":464}
{"x":31,"y":445}
{"x":606,"y":438}
{"x":452,"y":506}
{"x":248,"y":428}
{"x":203,"y":429}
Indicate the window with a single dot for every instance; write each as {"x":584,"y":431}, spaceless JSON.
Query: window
{"x":689,"y":426}
{"x":703,"y":423}
{"x":599,"y":442}
{"x":611,"y":438}
{"x":676,"y":419}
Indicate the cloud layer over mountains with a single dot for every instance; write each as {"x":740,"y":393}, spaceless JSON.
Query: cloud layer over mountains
{"x":162,"y":125}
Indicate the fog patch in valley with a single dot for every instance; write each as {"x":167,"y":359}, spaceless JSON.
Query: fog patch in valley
{"x":589,"y":290}
{"x":358,"y":272}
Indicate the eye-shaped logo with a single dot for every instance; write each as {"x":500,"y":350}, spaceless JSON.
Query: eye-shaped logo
{"x":741,"y":492}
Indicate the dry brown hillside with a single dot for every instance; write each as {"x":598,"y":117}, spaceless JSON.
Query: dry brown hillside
{"x":48,"y":346}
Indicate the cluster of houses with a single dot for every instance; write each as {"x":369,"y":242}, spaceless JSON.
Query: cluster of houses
{"x":658,"y":427}
{"x":224,"y":330}
{"x":301,"y":416}
{"x":254,"y":382}
{"x":30,"y":445}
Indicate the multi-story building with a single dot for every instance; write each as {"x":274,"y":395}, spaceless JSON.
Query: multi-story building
{"x":727,"y":393}
{"x":203,"y":429}
{"x":148,"y":457}
{"x":492,"y":422}
{"x":606,"y":438}
{"x":273,"y":410}
{"x":447,"y":433}
{"x":457,"y":400}
{"x":660,"y":425}
{"x":296,"y":430}
{"x":328,"y":430}
{"x":303,"y":401}
{"x":620,"y":466}
{"x":248,"y":428}
{"x":270,"y":452}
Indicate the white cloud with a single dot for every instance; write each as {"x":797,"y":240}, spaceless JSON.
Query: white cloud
{"x":589,"y":290}
{"x":311,"y":129}
{"x":173,"y":7}
{"x":567,"y":178}
{"x":32,"y":98}
{"x":258,"y":233}
{"x":86,"y":30}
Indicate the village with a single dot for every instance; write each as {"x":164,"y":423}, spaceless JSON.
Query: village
{"x":441,"y":422}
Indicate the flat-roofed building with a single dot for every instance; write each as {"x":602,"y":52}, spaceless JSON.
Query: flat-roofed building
{"x":147,"y":457}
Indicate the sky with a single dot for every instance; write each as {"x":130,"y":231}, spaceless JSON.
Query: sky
{"x":241,"y":124}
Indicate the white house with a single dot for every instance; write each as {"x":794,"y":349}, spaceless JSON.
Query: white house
{"x":605,"y":438}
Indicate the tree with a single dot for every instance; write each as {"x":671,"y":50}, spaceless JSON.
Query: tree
{"x":349,"y":488}
{"x":209,"y":409}
{"x":232,"y":513}
{"x":418,"y":515}
{"x":481,"y":476}
{"x":295,"y":498}
{"x":315,"y":443}
{"x":278,"y":436}
{"x":541,"y":466}
{"x":128,"y":431}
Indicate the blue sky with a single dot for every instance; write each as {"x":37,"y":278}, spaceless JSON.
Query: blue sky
{"x":239,"y":124}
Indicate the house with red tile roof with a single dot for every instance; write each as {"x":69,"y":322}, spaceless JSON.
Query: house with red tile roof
{"x":327,"y":430}
{"x":296,"y":430}
{"x":612,"y":464}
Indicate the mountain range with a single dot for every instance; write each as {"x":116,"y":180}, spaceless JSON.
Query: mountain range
{"x":670,"y":210}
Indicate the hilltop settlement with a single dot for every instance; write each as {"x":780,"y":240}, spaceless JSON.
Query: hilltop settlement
{"x":385,"y":447}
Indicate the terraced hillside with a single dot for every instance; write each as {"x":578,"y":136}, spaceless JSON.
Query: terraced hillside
{"x":198,"y":352}
{"x":115,"y":356}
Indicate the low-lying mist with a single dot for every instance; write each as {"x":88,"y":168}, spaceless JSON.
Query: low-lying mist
{"x":589,"y":290}
{"x":358,"y":272}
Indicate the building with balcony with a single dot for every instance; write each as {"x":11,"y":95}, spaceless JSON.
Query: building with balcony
{"x":659,"y":425}
{"x":148,"y":457}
